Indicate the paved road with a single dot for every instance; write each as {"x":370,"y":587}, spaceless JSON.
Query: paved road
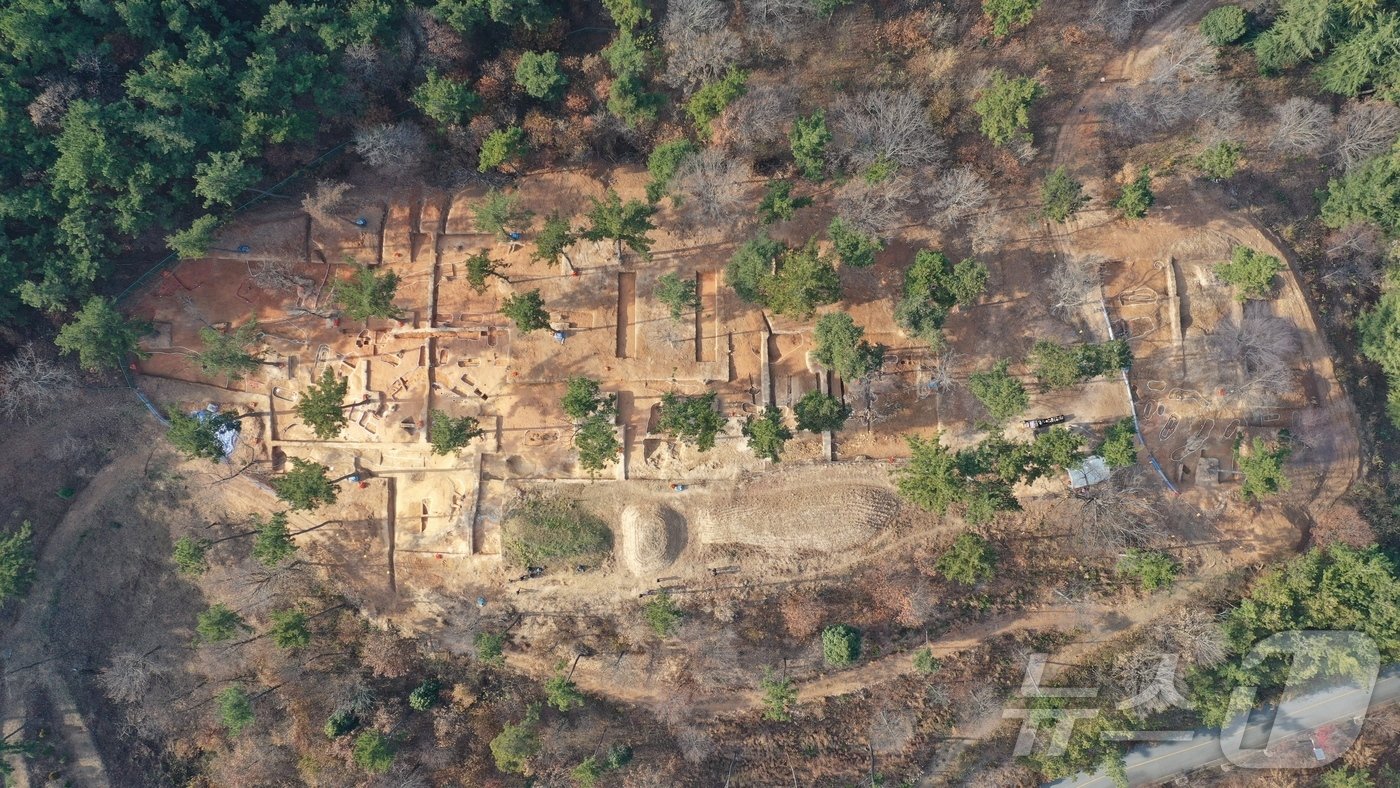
{"x":1156,"y":763}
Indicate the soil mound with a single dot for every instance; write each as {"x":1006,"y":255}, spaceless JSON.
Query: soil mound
{"x":824,"y":519}
{"x":645,"y":545}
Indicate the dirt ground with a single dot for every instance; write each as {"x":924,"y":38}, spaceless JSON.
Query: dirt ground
{"x":418,"y":544}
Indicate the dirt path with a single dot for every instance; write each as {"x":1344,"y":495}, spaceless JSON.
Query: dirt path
{"x":1075,"y":147}
{"x":31,"y":663}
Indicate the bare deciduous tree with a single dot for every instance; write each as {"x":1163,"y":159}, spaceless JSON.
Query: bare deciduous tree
{"x":1193,"y":634}
{"x":128,"y":678}
{"x":1121,"y":512}
{"x":392,"y":148}
{"x":1117,"y":18}
{"x":988,"y":233}
{"x":876,"y":209}
{"x":1364,"y":130}
{"x":1073,"y":284}
{"x":386,"y":654}
{"x":890,"y":730}
{"x":327,"y":200}
{"x":1186,"y":56}
{"x":1355,"y":255}
{"x":47,"y":109}
{"x":32,"y":386}
{"x":778,"y":20}
{"x":699,"y":47}
{"x":440,"y":45}
{"x":758,"y":123}
{"x":1261,"y":343}
{"x":1301,"y":127}
{"x":884,"y":126}
{"x":711,"y":187}
{"x":956,"y":195}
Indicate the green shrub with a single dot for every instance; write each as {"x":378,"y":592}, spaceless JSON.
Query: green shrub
{"x":969,"y":560}
{"x":424,"y":696}
{"x":545,"y":528}
{"x":341,"y":723}
{"x":1153,"y":570}
{"x":778,"y":696}
{"x":853,"y":247}
{"x":809,"y":138}
{"x":373,"y":752}
{"x":1220,"y":161}
{"x":537,"y":73}
{"x":690,"y":419}
{"x":1250,"y":272}
{"x":818,"y":412}
{"x":490,"y":647}
{"x":1005,"y":107}
{"x":235,"y":710}
{"x":1002,"y":395}
{"x":445,"y":100}
{"x":1224,"y":25}
{"x":662,"y":164}
{"x":1119,"y":447}
{"x":926,"y":663}
{"x":840,"y":645}
{"x":1137,"y":196}
{"x":1262,"y":469}
{"x":517,"y":743}
{"x":1006,"y":14}
{"x":502,"y":146}
{"x":679,"y":295}
{"x":662,"y":614}
{"x":710,"y":100}
{"x":1061,"y":196}
{"x":561,"y":692}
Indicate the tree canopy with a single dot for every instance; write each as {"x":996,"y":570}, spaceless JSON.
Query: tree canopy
{"x":767,"y":433}
{"x":1005,"y":108}
{"x":1251,"y":272}
{"x":526,"y":310}
{"x":679,"y":295}
{"x":447,"y":433}
{"x":306,"y":486}
{"x":199,"y":437}
{"x":840,"y":345}
{"x":1001,"y":394}
{"x":1061,"y":196}
{"x":102,"y":337}
{"x":227,"y":352}
{"x":804,"y":279}
{"x":691,"y":419}
{"x":322,"y":405}
{"x":818,"y":412}
{"x":622,"y":222}
{"x":16,"y":562}
{"x":1262,"y":468}
{"x":367,"y":294}
{"x":969,"y":560}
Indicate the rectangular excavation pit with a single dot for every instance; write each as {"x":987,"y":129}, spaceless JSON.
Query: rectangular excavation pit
{"x":626,"y":304}
{"x":705,"y":288}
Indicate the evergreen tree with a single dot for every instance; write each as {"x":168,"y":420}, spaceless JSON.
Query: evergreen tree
{"x":526,"y":310}
{"x":480,"y":267}
{"x":818,"y":412}
{"x":621,"y":222}
{"x":841,"y":346}
{"x":322,"y":405}
{"x":367,"y":294}
{"x":101,"y":336}
{"x":767,"y":433}
{"x":1137,"y":196}
{"x":691,"y":419}
{"x":305,"y":486}
{"x":447,"y":434}
{"x":272,"y":542}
